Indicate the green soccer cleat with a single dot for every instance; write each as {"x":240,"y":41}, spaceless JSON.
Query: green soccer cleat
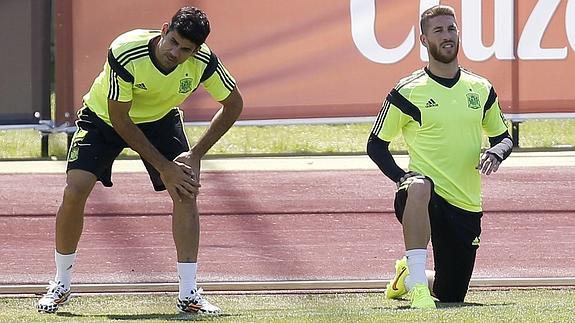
{"x":421,"y":297}
{"x":396,"y":288}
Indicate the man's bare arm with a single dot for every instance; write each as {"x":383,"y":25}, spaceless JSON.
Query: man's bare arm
{"x":176,"y":178}
{"x":221,"y":122}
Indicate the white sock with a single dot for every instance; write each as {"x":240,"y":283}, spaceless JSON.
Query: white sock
{"x":64,"y":264}
{"x":187,"y":278}
{"x":416,"y":261}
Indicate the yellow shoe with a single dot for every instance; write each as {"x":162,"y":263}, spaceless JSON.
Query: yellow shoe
{"x":420,"y":297}
{"x":396,"y":288}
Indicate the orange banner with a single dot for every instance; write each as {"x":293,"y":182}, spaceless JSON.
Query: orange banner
{"x":340,"y":58}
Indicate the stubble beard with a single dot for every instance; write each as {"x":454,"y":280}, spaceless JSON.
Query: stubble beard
{"x":435,"y":52}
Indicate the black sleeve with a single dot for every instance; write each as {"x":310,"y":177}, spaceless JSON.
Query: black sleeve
{"x":378,"y":151}
{"x":211,"y":66}
{"x":118,"y":68}
{"x":501,"y":146}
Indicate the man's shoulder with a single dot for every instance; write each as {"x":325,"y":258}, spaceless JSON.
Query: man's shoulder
{"x":132,"y":39}
{"x":204,"y":48}
{"x":204,"y":54}
{"x":416,"y":79}
{"x":474,"y":77}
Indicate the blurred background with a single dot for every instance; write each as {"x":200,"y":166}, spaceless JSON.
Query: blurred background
{"x":323,"y":62}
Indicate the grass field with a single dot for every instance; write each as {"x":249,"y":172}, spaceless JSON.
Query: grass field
{"x":295,"y":139}
{"x":519,"y":305}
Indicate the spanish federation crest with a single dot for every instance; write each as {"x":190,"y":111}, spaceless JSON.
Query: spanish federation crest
{"x":75,"y":146}
{"x":186,"y":85}
{"x":473,"y":100}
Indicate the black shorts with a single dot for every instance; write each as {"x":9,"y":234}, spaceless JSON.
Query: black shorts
{"x":96,"y":144}
{"x":455,"y":235}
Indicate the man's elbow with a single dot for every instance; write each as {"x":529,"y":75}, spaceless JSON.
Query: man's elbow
{"x":234,"y":104}
{"x":238,"y":106}
{"x":369,"y":147}
{"x":233,"y":111}
{"x":373,"y":146}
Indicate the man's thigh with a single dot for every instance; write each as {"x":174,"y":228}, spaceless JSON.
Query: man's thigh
{"x":168,"y":136}
{"x":400,"y":200}
{"x":94,"y":147}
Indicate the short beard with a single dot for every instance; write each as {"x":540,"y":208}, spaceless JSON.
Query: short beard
{"x":436,"y":54}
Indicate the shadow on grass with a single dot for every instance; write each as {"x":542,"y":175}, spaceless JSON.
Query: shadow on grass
{"x":466,"y":304}
{"x":459,"y":305}
{"x":442,"y":305}
{"x":152,"y":316}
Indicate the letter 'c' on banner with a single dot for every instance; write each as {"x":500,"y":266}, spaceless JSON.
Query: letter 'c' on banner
{"x":363,"y":34}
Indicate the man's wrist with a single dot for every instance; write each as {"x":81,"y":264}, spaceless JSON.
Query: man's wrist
{"x":164,"y":164}
{"x":195,"y":151}
{"x":494,"y":154}
{"x":408,"y":175}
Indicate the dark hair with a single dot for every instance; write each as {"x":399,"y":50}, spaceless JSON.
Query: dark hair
{"x":439,"y":10}
{"x":192,"y":24}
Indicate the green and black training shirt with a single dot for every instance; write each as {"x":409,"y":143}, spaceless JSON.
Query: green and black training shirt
{"x":132,"y":74}
{"x":442,"y":125}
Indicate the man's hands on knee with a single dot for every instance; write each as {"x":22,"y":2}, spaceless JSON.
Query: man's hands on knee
{"x":182,"y":177}
{"x":409,"y":178}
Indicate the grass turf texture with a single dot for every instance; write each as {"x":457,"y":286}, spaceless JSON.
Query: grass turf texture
{"x":295,"y":139}
{"x":517,"y":305}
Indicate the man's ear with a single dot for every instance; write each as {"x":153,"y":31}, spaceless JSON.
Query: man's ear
{"x":423,"y":40}
{"x":165,"y":29}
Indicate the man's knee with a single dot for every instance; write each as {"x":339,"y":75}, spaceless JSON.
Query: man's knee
{"x":419,"y":190}
{"x":79,"y":184}
{"x":186,"y":203}
{"x":451,"y":296}
{"x":74,"y":194}
{"x":451,"y":284}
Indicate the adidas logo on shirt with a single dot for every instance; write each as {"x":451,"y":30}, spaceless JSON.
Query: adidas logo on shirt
{"x":141,"y":86}
{"x":431,"y":104}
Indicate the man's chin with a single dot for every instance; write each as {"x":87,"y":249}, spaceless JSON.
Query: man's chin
{"x":446,"y":58}
{"x":168,"y":65}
